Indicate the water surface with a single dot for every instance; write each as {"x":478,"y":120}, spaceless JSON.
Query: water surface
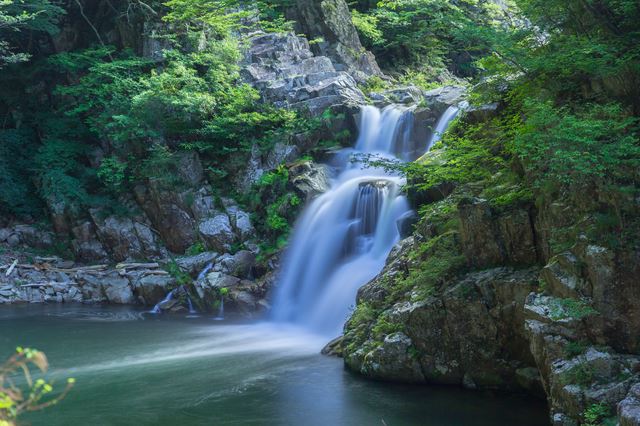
{"x":132,"y":370}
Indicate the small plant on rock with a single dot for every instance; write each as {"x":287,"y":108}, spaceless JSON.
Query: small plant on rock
{"x":596,"y":414}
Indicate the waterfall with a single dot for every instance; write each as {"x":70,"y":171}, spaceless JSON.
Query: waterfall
{"x":443,"y":123}
{"x":157,"y":309}
{"x":344,"y":236}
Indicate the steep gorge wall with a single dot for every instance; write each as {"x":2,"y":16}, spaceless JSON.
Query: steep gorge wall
{"x":495,"y":308}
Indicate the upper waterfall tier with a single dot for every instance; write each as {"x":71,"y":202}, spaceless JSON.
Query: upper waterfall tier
{"x":345,"y":235}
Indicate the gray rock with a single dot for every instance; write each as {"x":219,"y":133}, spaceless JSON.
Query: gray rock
{"x":330,"y":22}
{"x":194,"y":264}
{"x":629,"y":408}
{"x":118,"y":291}
{"x":285,"y":71}
{"x":309,"y":179}
{"x":126,"y":239}
{"x":446,"y":96}
{"x":217,"y":233}
{"x":218,"y":280}
{"x":150,"y":289}
{"x":404,"y":95}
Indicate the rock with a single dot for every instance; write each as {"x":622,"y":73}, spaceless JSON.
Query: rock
{"x":477,"y":322}
{"x":393,"y":360}
{"x":239,"y":265}
{"x":481,"y":113}
{"x":406,"y":223}
{"x":169,"y":215}
{"x":309,"y":179}
{"x":85,"y":244}
{"x":153,"y":43}
{"x":529,"y":378}
{"x":404,"y":95}
{"x":151,"y":289}
{"x":203,"y":205}
{"x":445,"y":96}
{"x":244,"y":302}
{"x":193,"y":265}
{"x":563,"y":277}
{"x":490,"y":238}
{"x":217,"y":233}
{"x":189,"y":168}
{"x":333,"y":348}
{"x":126,"y":239}
{"x":629,"y":408}
{"x":330,"y":22}
{"x":218,"y":280}
{"x":285,"y":71}
{"x":118,"y":290}
{"x":240,"y":221}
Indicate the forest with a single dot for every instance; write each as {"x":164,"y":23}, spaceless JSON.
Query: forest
{"x":442,"y":192}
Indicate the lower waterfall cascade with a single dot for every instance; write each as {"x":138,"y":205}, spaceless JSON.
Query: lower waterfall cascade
{"x":344,"y":236}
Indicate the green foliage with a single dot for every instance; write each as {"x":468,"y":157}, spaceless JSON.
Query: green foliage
{"x":595,"y":414}
{"x":112,"y":173}
{"x":275,"y":207}
{"x":467,"y":153}
{"x":60,"y":174}
{"x":222,"y":16}
{"x":577,"y":150}
{"x":196,"y":249}
{"x":32,"y":395}
{"x":19,"y":19}
{"x":574,"y":349}
{"x":385,"y":326}
{"x":17,"y":193}
{"x":422,"y":34}
{"x":571,"y":308}
{"x":182,"y":278}
{"x":433,"y":262}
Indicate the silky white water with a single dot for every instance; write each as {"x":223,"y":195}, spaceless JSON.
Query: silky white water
{"x":345,"y":235}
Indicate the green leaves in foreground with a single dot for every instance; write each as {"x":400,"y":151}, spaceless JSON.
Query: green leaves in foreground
{"x":34,"y":394}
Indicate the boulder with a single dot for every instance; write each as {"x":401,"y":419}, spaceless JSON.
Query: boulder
{"x":118,"y":291}
{"x":150,"y":289}
{"x":477,"y":321}
{"x":495,"y":238}
{"x":309,"y":179}
{"x":283,"y":69}
{"x":217,"y":233}
{"x":193,"y":265}
{"x":443,"y":97}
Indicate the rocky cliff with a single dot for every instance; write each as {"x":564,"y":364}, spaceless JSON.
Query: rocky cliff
{"x":482,"y":296}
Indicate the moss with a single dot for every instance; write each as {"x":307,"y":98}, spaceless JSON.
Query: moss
{"x":571,"y":308}
{"x":573,"y":349}
{"x":433,"y":261}
{"x":385,"y":326}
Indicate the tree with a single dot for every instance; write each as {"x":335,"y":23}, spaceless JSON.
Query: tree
{"x":18,"y":17}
